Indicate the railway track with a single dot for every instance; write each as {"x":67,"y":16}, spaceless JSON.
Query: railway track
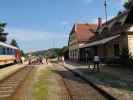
{"x":10,"y":84}
{"x":79,"y":88}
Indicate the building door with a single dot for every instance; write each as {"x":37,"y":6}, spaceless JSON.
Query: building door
{"x":116,"y":50}
{"x":95,"y":51}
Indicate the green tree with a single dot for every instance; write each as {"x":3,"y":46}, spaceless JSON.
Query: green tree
{"x":58,"y":52}
{"x":129,"y":4}
{"x":22,"y":53}
{"x":14,"y":43}
{"x":3,"y":35}
{"x":126,"y":58}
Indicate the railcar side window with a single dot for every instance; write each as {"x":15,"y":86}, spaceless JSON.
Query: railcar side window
{"x":4,"y":51}
{"x":11,"y":51}
{"x":1,"y":50}
{"x":8,"y":51}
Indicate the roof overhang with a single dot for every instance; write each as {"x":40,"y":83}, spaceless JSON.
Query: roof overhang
{"x":130,"y":29}
{"x":7,"y":45}
{"x":100,"y":42}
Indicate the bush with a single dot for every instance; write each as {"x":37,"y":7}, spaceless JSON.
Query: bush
{"x":126,"y":59}
{"x":113,"y":60}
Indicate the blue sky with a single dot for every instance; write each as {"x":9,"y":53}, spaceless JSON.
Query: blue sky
{"x":43,"y":24}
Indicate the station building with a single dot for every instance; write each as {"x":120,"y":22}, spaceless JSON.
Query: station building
{"x":79,"y":36}
{"x":106,"y":40}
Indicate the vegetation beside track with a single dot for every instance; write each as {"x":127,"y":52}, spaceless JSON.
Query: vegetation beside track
{"x":43,"y":84}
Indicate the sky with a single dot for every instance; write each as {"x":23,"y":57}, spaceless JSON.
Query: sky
{"x":43,"y":24}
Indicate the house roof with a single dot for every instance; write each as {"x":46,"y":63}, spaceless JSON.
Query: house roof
{"x":114,"y":26}
{"x":84,"y":31}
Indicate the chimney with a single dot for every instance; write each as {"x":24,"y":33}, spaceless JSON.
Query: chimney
{"x":99,"y":22}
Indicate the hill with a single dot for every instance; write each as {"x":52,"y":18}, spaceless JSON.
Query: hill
{"x":53,"y":52}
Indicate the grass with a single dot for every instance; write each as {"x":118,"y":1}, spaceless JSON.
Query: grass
{"x":42,"y":85}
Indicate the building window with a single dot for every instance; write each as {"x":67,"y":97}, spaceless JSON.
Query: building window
{"x":116,"y":50}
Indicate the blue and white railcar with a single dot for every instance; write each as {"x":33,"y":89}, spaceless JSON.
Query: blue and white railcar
{"x":8,"y":54}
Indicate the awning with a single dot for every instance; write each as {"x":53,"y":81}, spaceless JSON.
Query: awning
{"x":100,"y":42}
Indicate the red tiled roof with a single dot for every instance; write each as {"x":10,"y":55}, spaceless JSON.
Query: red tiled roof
{"x":84,"y":32}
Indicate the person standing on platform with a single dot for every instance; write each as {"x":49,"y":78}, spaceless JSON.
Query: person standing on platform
{"x":46,"y":59}
{"x":29,"y":59}
{"x":96,"y":62}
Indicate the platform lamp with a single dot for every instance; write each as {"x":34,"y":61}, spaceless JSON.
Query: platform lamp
{"x":106,"y":13}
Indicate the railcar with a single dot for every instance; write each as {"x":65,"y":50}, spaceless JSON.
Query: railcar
{"x":9,"y":54}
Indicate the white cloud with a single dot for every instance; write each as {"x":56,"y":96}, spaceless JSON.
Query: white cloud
{"x":64,"y":23}
{"x":34,"y":38}
{"x":31,"y":35}
{"x":87,"y":1}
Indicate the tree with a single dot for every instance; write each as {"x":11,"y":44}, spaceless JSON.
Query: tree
{"x":126,"y":58}
{"x":3,"y":35}
{"x":14,"y":43}
{"x":58,"y":51}
{"x":22,"y":53}
{"x":129,"y":4}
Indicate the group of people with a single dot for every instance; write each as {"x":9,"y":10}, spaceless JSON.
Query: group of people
{"x":38,"y":60}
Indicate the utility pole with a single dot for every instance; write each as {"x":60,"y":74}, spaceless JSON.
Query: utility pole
{"x":53,"y":43}
{"x":106,"y":14}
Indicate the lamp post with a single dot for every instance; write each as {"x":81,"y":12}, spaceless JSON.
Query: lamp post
{"x":106,"y":14}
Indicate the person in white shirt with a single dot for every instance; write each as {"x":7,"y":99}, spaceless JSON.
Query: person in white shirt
{"x":96,"y":62}
{"x":22,"y":59}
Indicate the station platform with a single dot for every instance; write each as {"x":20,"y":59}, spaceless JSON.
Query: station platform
{"x":115,"y":81}
{"x":7,"y":71}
